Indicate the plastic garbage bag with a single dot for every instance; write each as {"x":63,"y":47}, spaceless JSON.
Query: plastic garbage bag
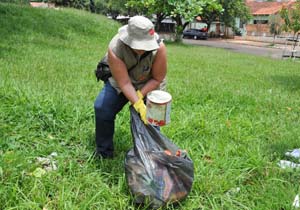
{"x":157,"y":171}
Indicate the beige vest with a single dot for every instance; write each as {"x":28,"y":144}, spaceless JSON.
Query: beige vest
{"x":139,"y":67}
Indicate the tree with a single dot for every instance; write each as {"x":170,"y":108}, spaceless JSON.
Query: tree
{"x":210,"y":13}
{"x":101,"y":6}
{"x":183,"y":12}
{"x":275,"y":25}
{"x":117,"y":7}
{"x":113,"y":7}
{"x":291,"y":18}
{"x":233,"y":9}
{"x":150,"y":7}
{"x":78,"y":4}
{"x":92,"y":6}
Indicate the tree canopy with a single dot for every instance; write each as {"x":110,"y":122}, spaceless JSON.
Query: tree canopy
{"x":182,"y":12}
{"x":233,"y":9}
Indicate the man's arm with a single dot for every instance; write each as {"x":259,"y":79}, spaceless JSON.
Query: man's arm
{"x":120,"y":74}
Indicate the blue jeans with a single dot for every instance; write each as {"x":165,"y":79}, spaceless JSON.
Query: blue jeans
{"x":107,"y":105}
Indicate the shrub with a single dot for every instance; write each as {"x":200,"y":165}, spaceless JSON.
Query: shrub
{"x":16,"y":1}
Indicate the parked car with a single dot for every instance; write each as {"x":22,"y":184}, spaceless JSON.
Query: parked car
{"x":195,"y":33}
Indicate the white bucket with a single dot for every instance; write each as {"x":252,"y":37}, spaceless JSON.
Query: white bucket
{"x":158,"y":107}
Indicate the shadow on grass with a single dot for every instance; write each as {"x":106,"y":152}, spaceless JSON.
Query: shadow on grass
{"x":291,"y":82}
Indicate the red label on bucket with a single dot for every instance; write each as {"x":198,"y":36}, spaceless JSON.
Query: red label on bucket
{"x":158,"y":107}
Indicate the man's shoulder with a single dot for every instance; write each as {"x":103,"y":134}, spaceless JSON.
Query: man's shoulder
{"x":114,"y":41}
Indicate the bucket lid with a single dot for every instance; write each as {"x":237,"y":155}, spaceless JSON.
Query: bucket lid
{"x":159,"y":96}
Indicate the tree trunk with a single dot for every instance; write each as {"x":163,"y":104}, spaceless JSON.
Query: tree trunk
{"x":159,"y":18}
{"x":185,"y":25}
{"x":92,"y":6}
{"x":208,"y":25}
{"x":179,"y":29}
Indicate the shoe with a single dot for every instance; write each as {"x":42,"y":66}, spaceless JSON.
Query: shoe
{"x":99,"y":155}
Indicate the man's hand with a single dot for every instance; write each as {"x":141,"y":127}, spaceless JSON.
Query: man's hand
{"x":140,"y":107}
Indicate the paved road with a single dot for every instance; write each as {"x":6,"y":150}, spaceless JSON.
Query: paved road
{"x":255,"y":48}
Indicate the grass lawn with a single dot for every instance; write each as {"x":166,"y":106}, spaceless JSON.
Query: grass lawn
{"x":236,"y":114}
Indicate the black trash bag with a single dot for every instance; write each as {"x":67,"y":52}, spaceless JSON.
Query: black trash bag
{"x":157,"y":171}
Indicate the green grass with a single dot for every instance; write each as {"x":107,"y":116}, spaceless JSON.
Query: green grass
{"x":236,"y":115}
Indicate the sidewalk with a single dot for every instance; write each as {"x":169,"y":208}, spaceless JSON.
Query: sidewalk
{"x":240,"y":46}
{"x":238,"y":40}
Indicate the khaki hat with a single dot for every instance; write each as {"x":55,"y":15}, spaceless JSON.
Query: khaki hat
{"x":139,"y":34}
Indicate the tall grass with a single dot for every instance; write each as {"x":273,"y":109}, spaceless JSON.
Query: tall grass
{"x":236,"y":115}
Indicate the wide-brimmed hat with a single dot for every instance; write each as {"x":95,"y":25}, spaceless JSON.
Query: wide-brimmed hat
{"x":139,"y":34}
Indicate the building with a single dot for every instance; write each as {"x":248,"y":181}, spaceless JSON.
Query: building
{"x":261,"y":12}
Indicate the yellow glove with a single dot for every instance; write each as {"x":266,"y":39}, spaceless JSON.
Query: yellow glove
{"x":140,"y":107}
{"x":139,"y":94}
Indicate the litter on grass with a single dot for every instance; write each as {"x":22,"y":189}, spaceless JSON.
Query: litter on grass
{"x":293,"y":153}
{"x":233,"y":191}
{"x":47,"y":164}
{"x":296,"y":202}
{"x":288,"y":164}
{"x":38,"y":172}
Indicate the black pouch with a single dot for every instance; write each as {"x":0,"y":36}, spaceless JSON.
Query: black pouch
{"x":102,"y":72}
{"x":157,"y":171}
